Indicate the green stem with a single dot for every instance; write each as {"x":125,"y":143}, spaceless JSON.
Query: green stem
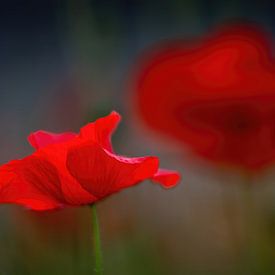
{"x":97,"y":243}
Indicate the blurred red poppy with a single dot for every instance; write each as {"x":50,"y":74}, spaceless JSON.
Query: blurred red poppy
{"x":216,"y":95}
{"x":76,"y":169}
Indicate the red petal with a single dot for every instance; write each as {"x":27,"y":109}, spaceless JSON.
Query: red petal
{"x":102,"y":173}
{"x":167,"y":178}
{"x":101,"y":130}
{"x":192,"y":84}
{"x":41,"y":139}
{"x":32,"y":182}
{"x":72,"y":190}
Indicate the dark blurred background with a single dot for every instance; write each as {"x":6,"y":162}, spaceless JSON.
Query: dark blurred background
{"x":64,"y":63}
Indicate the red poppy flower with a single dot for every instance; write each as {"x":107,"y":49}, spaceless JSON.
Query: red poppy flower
{"x":216,"y":95}
{"x":76,"y":169}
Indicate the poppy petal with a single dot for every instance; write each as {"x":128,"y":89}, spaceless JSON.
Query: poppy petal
{"x":41,"y":139}
{"x":71,"y":189}
{"x":102,"y":173}
{"x":32,"y":182}
{"x":214,"y":96}
{"x":167,"y":178}
{"x":101,"y":130}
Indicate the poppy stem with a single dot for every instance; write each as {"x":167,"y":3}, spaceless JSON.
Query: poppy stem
{"x":97,"y":243}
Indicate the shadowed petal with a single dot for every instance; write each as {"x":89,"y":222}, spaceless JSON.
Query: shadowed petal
{"x":73,"y":192}
{"x":102,"y":173}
